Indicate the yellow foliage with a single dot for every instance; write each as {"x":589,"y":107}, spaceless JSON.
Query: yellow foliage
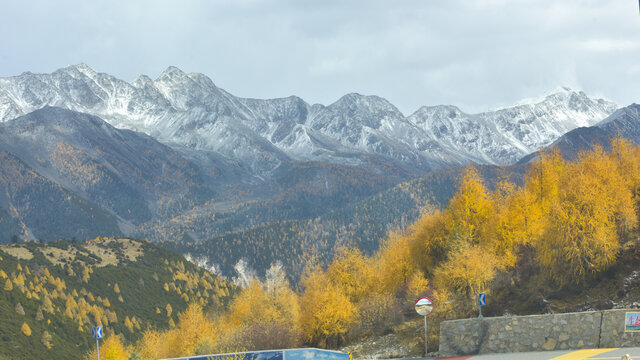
{"x":428,"y":241}
{"x":468,"y":271}
{"x":26,"y":329}
{"x":128,"y":324}
{"x":111,"y":348}
{"x":8,"y":285}
{"x":394,"y":263}
{"x":326,"y":312}
{"x":582,"y":236}
{"x":417,"y":286}
{"x":511,"y":221}
{"x":152,"y":345}
{"x":255,"y":306}
{"x":351,"y":272}
{"x":192,"y":328}
{"x":469,"y":210}
{"x":541,"y":189}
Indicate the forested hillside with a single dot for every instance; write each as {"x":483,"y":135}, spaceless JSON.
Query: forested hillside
{"x":360,"y":224}
{"x":51,"y":295}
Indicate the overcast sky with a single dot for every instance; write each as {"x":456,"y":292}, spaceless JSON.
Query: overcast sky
{"x":477,"y":54}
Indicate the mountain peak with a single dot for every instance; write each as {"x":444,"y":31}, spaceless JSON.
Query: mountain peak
{"x":555,"y":94}
{"x":351,"y":99}
{"x":142,"y":81}
{"x":171,"y":72}
{"x":83,"y":68}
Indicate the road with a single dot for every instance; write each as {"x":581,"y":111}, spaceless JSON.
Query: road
{"x":592,"y":354}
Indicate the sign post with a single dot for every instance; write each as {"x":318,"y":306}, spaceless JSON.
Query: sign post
{"x":96,"y":333}
{"x":481,"y":300}
{"x":424,"y":307}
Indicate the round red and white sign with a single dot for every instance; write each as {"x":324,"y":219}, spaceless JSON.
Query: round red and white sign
{"x":424,"y":306}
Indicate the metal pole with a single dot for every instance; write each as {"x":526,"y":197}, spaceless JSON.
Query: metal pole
{"x":425,"y":336}
{"x":98,"y":348}
{"x":480,"y":307}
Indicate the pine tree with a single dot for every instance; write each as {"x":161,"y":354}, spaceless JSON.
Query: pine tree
{"x":19,"y":309}
{"x":8,"y":285}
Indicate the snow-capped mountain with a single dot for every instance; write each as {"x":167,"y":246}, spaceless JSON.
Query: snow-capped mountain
{"x":190,"y":111}
{"x":624,"y":122}
{"x":505,"y":135}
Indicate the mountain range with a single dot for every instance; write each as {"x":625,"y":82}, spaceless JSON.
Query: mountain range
{"x":179,"y":160}
{"x":191,"y":112}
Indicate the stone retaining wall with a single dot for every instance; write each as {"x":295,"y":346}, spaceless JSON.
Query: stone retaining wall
{"x":591,"y":329}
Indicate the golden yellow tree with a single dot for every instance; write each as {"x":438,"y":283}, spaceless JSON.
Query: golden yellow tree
{"x":468,"y":212}
{"x":468,"y":271}
{"x":327,"y":313}
{"x":428,"y":241}
{"x":582,"y":236}
{"x":541,"y":189}
{"x":111,"y":348}
{"x":193,"y":328}
{"x":394,"y":263}
{"x":352,"y":272}
{"x":26,"y":329}
{"x":511,"y":221}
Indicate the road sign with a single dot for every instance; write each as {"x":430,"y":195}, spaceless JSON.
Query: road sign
{"x":96,"y":332}
{"x":424,"y":306}
{"x":481,"y":300}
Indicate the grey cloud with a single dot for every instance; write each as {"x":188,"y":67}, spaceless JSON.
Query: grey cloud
{"x":477,"y":54}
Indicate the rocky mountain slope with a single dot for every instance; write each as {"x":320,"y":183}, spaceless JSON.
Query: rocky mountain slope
{"x":189,"y":110}
{"x":128,"y":175}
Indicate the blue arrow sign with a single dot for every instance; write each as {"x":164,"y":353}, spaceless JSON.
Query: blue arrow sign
{"x":482,"y":299}
{"x":96,"y":332}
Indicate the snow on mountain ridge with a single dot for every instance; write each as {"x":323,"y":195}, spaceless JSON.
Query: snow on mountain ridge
{"x":190,"y":110}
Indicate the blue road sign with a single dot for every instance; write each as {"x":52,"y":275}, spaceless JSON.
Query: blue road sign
{"x":96,"y":332}
{"x":482,"y":299}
